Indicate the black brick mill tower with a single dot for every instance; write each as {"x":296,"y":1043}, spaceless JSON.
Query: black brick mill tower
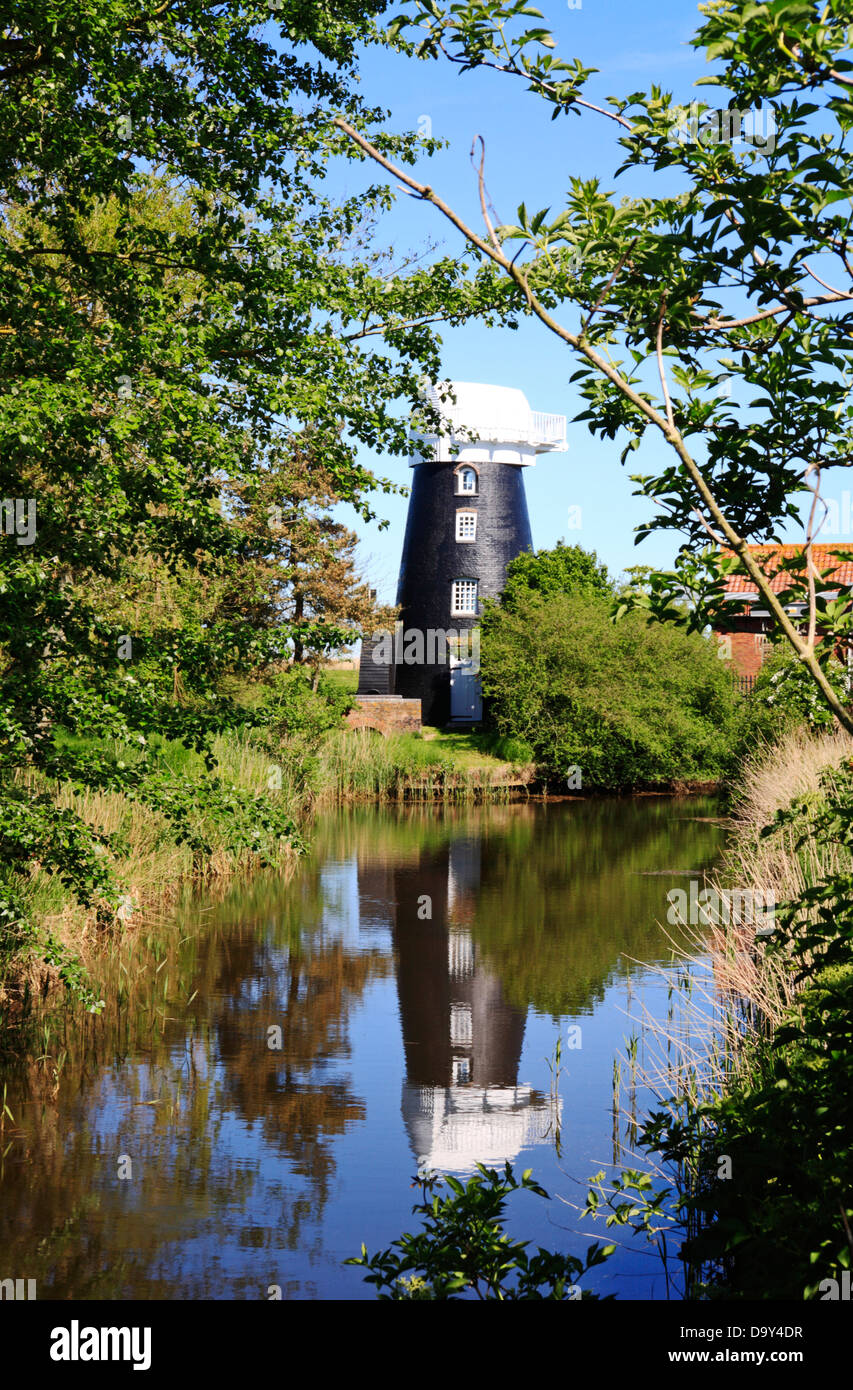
{"x":467,"y":519}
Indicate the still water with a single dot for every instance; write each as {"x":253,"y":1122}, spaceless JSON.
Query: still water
{"x":259,"y":1101}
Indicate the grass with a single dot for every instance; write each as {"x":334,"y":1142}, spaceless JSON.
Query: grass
{"x":772,"y":778}
{"x":359,"y":764}
{"x":148,"y":862}
{"x":740,"y":993}
{"x":342,"y":678}
{"x":481,"y":750}
{"x":783,"y":1112}
{"x":718,"y":1047}
{"x":726,"y":995}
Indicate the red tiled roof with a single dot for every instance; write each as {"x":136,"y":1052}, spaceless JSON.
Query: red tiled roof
{"x":768,"y":556}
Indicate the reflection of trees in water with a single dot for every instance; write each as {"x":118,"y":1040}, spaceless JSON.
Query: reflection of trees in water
{"x":309,"y":993}
{"x":77,"y":1229}
{"x":560,"y":893}
{"x":560,"y":917}
{"x":569,"y":893}
{"x":402,"y":834}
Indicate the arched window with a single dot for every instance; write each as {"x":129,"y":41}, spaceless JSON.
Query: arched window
{"x":466,"y":526}
{"x":466,"y":481}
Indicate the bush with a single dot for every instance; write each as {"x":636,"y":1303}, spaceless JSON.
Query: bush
{"x":300,"y":705}
{"x":464,"y":1250}
{"x":632,"y":703}
{"x":784,"y":696}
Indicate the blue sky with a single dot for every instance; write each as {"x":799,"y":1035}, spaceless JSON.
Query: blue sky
{"x":531,"y":158}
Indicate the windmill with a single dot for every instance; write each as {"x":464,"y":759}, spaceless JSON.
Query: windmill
{"x":467,"y":520}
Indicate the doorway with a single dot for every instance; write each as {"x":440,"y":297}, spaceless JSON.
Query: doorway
{"x":466,"y":700}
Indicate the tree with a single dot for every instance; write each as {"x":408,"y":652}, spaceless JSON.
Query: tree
{"x":735,"y":343}
{"x":177,"y":301}
{"x":635,"y":703}
{"x":297,"y":565}
{"x":567,"y":569}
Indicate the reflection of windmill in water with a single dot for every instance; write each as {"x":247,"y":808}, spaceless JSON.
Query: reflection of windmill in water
{"x":462,"y":1103}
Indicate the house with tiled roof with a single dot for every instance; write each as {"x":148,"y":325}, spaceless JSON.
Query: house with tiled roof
{"x":747,"y":635}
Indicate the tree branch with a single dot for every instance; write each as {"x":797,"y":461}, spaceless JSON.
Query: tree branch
{"x":723,"y":325}
{"x":672,"y":435}
{"x":539,"y":82}
{"x":661,"y":370}
{"x":482,"y":188}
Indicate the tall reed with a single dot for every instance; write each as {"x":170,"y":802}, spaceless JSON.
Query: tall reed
{"x":726,"y":994}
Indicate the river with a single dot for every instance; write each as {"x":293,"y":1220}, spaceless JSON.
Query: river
{"x":256,"y":1099}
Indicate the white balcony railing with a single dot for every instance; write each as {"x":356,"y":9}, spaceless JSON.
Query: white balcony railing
{"x":549,"y":430}
{"x":533,"y":428}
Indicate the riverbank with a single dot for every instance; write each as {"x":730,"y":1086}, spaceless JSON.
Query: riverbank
{"x":767,"y":1081}
{"x":265,"y":783}
{"x":292,"y":758}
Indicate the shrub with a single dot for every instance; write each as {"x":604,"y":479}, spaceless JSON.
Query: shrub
{"x":464,"y":1250}
{"x":300,"y":705}
{"x":567,"y":569}
{"x":632,"y":703}
{"x":784,"y":696}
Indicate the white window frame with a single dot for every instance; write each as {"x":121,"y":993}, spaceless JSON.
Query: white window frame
{"x":456,"y":593}
{"x":461,"y":1025}
{"x":461,"y":473}
{"x":463,"y":516}
{"x":461,"y":1074}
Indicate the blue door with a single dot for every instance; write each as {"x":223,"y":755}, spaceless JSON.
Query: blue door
{"x":466,"y":700}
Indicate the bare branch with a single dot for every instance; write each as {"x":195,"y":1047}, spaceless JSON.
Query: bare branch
{"x":482,"y":188}
{"x":383,"y":327}
{"x":718,"y":325}
{"x":831,"y":288}
{"x":704,"y":523}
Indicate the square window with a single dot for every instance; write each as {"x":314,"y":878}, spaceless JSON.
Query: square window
{"x":466,"y":526}
{"x":463,"y":599}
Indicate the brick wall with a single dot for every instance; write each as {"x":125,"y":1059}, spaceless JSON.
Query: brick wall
{"x":747,"y":652}
{"x":386,"y":716}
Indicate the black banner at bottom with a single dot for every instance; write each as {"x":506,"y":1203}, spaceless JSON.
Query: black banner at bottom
{"x":65,"y":1342}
